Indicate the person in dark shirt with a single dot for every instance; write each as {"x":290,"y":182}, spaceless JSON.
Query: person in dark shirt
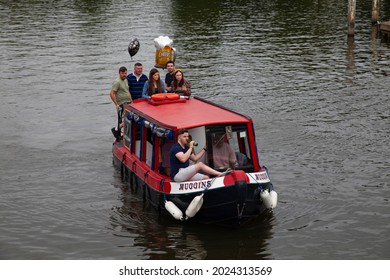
{"x":179,"y":158}
{"x":136,"y":81}
{"x":169,"y":76}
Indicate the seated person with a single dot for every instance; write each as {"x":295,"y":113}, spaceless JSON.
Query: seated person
{"x":153,"y":85}
{"x":241,"y":159}
{"x":179,"y":84}
{"x":180,"y":155}
{"x":223,"y":154}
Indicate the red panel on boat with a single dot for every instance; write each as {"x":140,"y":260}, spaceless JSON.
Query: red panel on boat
{"x":192,"y":113}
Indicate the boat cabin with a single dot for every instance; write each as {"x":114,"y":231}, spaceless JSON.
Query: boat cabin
{"x":150,"y":128}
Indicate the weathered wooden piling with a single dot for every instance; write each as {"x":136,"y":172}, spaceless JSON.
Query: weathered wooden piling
{"x":375,"y":11}
{"x":351,"y":17}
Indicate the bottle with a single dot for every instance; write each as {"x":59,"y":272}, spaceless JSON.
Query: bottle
{"x":195,"y":143}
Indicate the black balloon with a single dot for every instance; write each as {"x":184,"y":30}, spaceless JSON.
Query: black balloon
{"x":133,"y":47}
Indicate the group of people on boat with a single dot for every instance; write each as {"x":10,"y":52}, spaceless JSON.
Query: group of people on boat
{"x":136,"y":85}
{"x":175,"y":157}
{"x":129,"y":87}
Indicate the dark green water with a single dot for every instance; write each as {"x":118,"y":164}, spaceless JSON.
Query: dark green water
{"x":320,"y":104}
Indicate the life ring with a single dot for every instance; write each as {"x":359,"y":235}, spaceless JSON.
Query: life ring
{"x":172,"y":96}
{"x":165,"y":96}
{"x":158,"y":96}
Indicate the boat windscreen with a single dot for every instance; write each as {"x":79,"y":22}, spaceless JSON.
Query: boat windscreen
{"x":228,"y":146}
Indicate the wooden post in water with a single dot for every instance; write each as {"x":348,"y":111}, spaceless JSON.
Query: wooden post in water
{"x":375,"y":11}
{"x":351,"y":17}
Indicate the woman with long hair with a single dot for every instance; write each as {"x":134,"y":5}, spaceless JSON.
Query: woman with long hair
{"x":181,"y":85}
{"x":153,"y":85}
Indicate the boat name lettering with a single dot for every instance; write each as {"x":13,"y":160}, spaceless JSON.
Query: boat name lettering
{"x":261,"y":176}
{"x":195,"y":185}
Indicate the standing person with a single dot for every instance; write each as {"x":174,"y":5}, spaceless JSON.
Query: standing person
{"x":120,"y":94}
{"x":169,"y":76}
{"x":153,"y":85}
{"x":179,"y":84}
{"x":179,"y":157}
{"x":136,"y":81}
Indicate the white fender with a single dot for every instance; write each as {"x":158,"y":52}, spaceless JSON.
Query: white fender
{"x":265,"y":196}
{"x":174,"y":210}
{"x":274,"y":198}
{"x":194,"y":206}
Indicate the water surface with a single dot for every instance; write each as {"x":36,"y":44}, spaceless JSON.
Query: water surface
{"x":320,"y":104}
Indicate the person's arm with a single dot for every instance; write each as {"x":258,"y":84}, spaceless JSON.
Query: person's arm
{"x":196,"y":157}
{"x":183,"y":157}
{"x":232,"y":157}
{"x":187,"y":88}
{"x":145,"y":90}
{"x":113,"y":98}
{"x":162,"y":86}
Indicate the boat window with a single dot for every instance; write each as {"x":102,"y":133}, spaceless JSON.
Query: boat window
{"x":126,"y":132}
{"x":136,"y":130}
{"x":198,"y":135}
{"x":139,"y":136}
{"x":149,"y":147}
{"x":228,"y":146}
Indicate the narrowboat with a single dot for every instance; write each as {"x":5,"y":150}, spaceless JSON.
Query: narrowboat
{"x":239,"y":195}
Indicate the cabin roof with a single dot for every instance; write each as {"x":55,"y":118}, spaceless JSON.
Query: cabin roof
{"x":192,"y":113}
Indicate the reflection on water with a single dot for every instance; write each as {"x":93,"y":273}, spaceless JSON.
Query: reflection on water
{"x":351,"y":67}
{"x":162,"y":237}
